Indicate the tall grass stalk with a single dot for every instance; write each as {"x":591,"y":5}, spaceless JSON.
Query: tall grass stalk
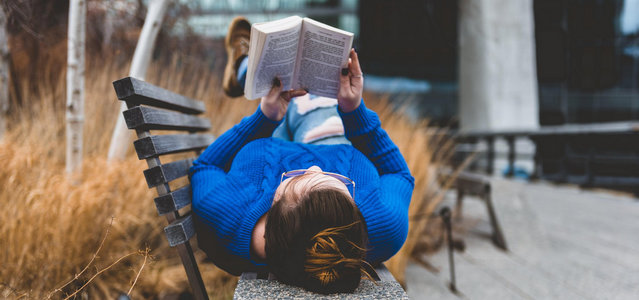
{"x":51,"y":227}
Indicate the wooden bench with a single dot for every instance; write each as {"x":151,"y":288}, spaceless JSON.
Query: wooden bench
{"x":151,"y":108}
{"x":473,"y":184}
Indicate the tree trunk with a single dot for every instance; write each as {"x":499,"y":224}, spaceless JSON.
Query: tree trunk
{"x":109,"y":20}
{"x":121,"y":137}
{"x":4,"y":72}
{"x":75,"y":84}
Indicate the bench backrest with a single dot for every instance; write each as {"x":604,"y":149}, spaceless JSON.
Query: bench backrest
{"x":152,"y":109}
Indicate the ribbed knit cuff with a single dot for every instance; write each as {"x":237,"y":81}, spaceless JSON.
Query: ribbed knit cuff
{"x":359,"y":121}
{"x":264,"y":126}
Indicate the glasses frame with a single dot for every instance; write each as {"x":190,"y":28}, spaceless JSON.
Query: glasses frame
{"x":345,"y":180}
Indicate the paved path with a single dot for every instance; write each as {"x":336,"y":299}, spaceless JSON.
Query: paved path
{"x":564,"y":243}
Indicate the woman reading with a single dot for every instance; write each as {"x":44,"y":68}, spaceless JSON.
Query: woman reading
{"x":310,"y":188}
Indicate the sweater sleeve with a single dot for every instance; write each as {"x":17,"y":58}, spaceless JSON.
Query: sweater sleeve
{"x":221,"y":152}
{"x":388,"y":227}
{"x":363,"y":128}
{"x":224,"y":202}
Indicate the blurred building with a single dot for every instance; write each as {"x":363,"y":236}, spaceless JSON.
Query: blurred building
{"x":585,"y":60}
{"x":587,"y":51}
{"x":587,"y":54}
{"x":211,"y":17}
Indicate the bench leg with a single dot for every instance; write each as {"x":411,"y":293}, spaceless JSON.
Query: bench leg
{"x":498,"y":237}
{"x":445,"y":214}
{"x":490,"y":155}
{"x":192,"y":272}
{"x":185,"y":251}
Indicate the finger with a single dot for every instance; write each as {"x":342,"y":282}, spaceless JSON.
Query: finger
{"x":344,"y":79}
{"x":355,"y":67}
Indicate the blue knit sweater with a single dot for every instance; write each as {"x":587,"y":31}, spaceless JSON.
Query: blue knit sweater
{"x":235,"y":178}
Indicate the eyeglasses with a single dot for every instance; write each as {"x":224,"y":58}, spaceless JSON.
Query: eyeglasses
{"x":350,"y":184}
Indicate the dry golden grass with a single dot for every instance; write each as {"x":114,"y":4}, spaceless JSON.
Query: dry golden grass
{"x":52,"y":227}
{"x":425,"y":149}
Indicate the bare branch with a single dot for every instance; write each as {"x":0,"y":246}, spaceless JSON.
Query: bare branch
{"x":87,"y":266}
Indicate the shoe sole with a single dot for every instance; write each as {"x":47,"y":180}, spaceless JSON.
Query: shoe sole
{"x":231,"y":89}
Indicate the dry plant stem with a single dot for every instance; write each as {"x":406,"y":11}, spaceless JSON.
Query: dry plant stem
{"x":90,"y":262}
{"x":11,"y":289}
{"x":146,"y":255}
{"x":98,"y":273}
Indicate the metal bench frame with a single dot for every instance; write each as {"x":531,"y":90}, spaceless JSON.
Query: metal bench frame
{"x":554,"y":150}
{"x":473,"y":184}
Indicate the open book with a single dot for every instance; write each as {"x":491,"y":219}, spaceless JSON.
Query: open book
{"x":303,"y":53}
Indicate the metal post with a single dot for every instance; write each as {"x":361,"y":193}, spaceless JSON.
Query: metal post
{"x":563,"y":162}
{"x":445,"y":214}
{"x":458,"y":204}
{"x":490,"y":154}
{"x":511,"y":156}
{"x":473,"y":164}
{"x":536,"y":173}
{"x":590,"y":176}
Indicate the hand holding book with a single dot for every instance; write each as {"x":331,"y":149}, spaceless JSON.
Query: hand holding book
{"x":351,"y":85}
{"x":275,"y":103}
{"x":301,"y":52}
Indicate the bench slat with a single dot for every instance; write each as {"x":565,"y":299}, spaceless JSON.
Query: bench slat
{"x":174,"y":200}
{"x":148,"y":118}
{"x":138,"y":92}
{"x":167,"y":172}
{"x":157,"y":145}
{"x":384,"y":274}
{"x":473,"y":184}
{"x":180,"y":231}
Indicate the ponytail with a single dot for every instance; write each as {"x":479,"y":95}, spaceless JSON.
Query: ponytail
{"x":325,"y":258}
{"x":319,"y":244}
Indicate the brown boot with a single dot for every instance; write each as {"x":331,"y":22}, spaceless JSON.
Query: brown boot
{"x":237,"y":47}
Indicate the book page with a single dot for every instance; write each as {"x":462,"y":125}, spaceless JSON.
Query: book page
{"x":323,"y":53}
{"x":277,"y":58}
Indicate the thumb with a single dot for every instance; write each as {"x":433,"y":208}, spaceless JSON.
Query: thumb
{"x":288,"y":95}
{"x":276,"y":89}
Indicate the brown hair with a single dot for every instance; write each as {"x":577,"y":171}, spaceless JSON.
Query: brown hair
{"x":319,"y":243}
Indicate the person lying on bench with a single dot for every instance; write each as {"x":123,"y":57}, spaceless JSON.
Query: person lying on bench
{"x":308,"y":188}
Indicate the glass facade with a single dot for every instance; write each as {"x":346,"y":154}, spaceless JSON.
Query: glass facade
{"x":211,"y":17}
{"x":587,"y":60}
{"x":587,"y":55}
